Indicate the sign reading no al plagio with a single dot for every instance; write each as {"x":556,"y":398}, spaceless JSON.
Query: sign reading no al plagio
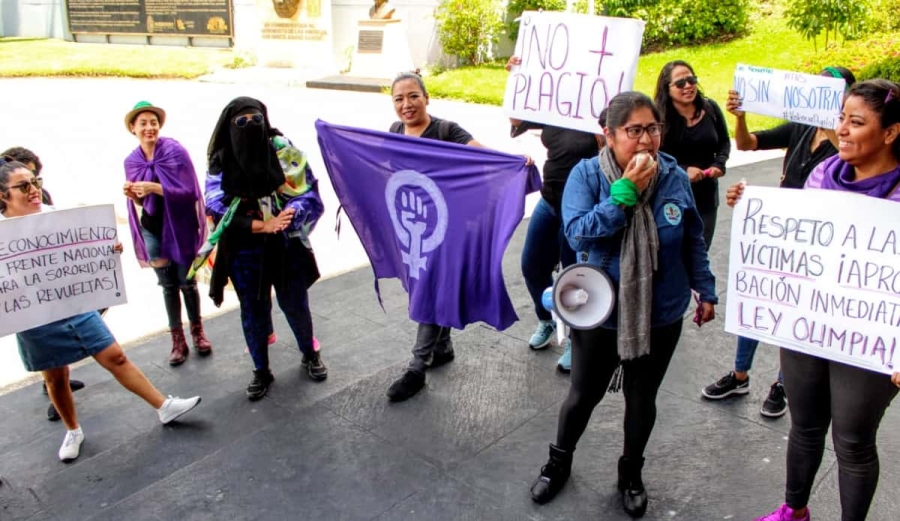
{"x":572,"y":65}
{"x":817,"y":271}
{"x":57,"y":264}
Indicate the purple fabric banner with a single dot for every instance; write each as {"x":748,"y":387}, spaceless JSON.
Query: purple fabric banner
{"x":436,"y":215}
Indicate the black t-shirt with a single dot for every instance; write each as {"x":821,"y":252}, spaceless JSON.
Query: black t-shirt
{"x":799,"y":160}
{"x":565,"y":148}
{"x":704,"y":145}
{"x":440,"y":129}
{"x":154,"y":223}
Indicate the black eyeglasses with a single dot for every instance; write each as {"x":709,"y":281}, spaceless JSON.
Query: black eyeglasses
{"x":243,"y":121}
{"x":25,"y":187}
{"x":652,"y":130}
{"x":685,"y":81}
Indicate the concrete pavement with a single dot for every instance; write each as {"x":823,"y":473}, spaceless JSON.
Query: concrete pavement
{"x":466,"y":448}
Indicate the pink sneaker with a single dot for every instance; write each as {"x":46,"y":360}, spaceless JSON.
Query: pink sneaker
{"x":785,"y":513}
{"x":272,"y":338}
{"x":316,"y":345}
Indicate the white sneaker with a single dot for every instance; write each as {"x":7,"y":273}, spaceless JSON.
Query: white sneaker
{"x":71,"y":446}
{"x":175,"y":407}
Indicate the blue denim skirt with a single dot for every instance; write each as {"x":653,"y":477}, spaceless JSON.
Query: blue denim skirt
{"x":63,"y":342}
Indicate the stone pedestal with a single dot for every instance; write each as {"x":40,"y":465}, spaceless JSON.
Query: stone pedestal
{"x":382,"y":50}
{"x":296,"y":33}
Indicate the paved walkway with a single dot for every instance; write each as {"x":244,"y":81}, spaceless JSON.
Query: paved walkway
{"x":466,"y":448}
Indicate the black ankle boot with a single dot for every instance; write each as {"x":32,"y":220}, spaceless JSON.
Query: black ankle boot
{"x":259,"y":386}
{"x":634,"y":495}
{"x":553,"y":475}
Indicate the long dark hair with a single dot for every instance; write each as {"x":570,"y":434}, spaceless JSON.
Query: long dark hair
{"x":675,"y":123}
{"x":7,"y":167}
{"x":883,"y":97}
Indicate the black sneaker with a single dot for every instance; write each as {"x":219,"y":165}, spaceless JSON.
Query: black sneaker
{"x":725,"y":387}
{"x":406,"y":387}
{"x":439,"y":359}
{"x":776,"y":404}
{"x":259,"y":386}
{"x":315,"y":367}
{"x":52,"y":414}
{"x":74,"y":385}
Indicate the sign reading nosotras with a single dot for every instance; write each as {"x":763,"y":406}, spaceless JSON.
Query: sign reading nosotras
{"x":57,"y":264}
{"x":817,"y":271}
{"x":801,"y":98}
{"x":572,"y":65}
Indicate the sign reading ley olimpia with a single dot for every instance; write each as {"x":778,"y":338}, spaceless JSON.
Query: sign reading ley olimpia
{"x":151,"y":17}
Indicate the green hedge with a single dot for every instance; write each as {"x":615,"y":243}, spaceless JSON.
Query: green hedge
{"x":855,"y":55}
{"x":888,"y":69}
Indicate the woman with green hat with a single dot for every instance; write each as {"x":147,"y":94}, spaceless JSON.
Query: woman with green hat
{"x":168,"y":225}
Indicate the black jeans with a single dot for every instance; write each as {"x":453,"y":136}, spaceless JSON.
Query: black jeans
{"x":173,"y":279}
{"x":853,"y":401}
{"x":594,"y":360}
{"x":430,"y":339}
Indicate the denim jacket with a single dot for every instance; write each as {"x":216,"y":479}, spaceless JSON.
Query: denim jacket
{"x":594,"y":224}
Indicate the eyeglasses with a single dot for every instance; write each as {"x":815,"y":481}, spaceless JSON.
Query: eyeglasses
{"x":652,"y":130}
{"x":25,"y":187}
{"x":685,"y":81}
{"x":243,"y":121}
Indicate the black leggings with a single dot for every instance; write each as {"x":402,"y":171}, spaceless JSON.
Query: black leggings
{"x":594,"y":360}
{"x":853,"y":401}
{"x":173,"y":279}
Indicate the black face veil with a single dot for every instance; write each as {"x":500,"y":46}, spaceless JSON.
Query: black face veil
{"x":244,"y":156}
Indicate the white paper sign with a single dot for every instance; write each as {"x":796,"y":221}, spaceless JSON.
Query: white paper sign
{"x":817,"y":271}
{"x":572,"y":65}
{"x":801,"y":98}
{"x":57,"y":264}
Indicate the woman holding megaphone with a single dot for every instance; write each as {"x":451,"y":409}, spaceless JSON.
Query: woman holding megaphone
{"x":631,"y":213}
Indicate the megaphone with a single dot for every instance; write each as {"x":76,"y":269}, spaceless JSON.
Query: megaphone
{"x":583,"y":296}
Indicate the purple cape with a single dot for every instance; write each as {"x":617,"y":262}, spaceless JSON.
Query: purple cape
{"x":184,"y":223}
{"x":839,"y":176}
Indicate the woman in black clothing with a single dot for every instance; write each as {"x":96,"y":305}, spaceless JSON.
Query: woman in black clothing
{"x":695,"y":135}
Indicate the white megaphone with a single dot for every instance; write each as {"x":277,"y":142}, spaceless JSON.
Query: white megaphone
{"x":582,"y":297}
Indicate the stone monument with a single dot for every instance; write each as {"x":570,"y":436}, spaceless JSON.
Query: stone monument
{"x":296,"y":33}
{"x":382,"y":45}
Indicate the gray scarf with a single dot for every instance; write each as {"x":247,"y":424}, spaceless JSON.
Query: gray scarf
{"x":637,"y":263}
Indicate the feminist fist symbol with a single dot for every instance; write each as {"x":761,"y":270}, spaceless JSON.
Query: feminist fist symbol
{"x":413,"y":215}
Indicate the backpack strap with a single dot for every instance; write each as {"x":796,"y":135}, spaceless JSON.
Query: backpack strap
{"x":444,"y":127}
{"x":397,"y":127}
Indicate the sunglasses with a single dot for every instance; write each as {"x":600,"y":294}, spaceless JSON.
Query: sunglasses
{"x":635,"y":132}
{"x":25,"y":187}
{"x":243,"y":121}
{"x":683,"y":82}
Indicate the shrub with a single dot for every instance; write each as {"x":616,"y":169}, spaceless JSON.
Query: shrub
{"x":468,"y":29}
{"x":888,"y":69}
{"x":855,"y":55}
{"x":675,"y":22}
{"x":884,"y":16}
{"x":515,"y":8}
{"x":833,"y":17}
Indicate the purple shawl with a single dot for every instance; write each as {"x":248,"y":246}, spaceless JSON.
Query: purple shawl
{"x":184,"y":223}
{"x":834,"y":174}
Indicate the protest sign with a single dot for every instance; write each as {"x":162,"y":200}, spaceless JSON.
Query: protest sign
{"x":817,"y":271}
{"x":801,"y":98}
{"x":57,"y":264}
{"x":572,"y":65}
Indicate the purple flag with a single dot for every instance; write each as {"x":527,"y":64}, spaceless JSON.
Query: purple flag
{"x":434,"y":214}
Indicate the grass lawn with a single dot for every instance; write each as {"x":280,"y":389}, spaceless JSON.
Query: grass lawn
{"x":39,"y":57}
{"x":771,"y":44}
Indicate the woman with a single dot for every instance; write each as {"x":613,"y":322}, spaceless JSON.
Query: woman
{"x":52,"y":347}
{"x":806,"y":147}
{"x":433,"y":347}
{"x":167,"y":222}
{"x":263,"y":219}
{"x":631,"y":210}
{"x":851,"y":400}
{"x":545,"y":245}
{"x":696,"y":136}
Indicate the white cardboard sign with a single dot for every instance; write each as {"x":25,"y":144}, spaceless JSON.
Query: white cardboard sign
{"x":57,"y":264}
{"x":572,"y":65}
{"x":817,"y":271}
{"x":802,"y":98}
